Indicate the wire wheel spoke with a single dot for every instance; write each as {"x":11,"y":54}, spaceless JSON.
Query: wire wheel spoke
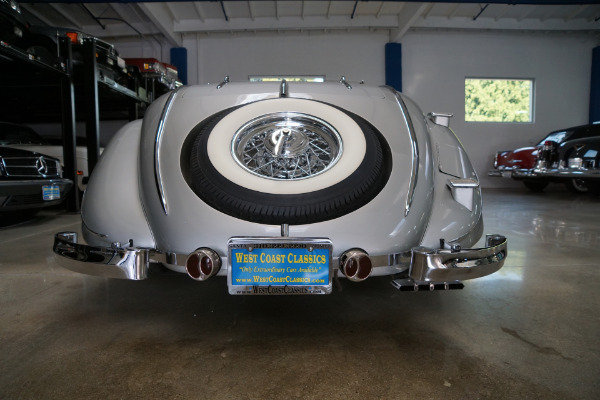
{"x":286,"y":146}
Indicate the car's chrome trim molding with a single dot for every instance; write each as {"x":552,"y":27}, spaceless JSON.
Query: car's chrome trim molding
{"x":423,"y":264}
{"x":415,"y":154}
{"x":157,"y":143}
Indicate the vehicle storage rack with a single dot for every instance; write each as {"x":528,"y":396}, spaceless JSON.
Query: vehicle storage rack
{"x":32,"y":90}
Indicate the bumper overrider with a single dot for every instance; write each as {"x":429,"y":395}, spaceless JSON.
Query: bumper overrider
{"x":418,"y":269}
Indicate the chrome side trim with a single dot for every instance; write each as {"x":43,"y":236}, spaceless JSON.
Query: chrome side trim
{"x":428,"y":265}
{"x":415,"y":154}
{"x":225,"y":82}
{"x":157,"y":142}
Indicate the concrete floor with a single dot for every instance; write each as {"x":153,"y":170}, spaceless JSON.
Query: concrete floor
{"x":531,"y":331}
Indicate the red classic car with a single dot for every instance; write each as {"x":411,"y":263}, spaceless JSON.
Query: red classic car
{"x":159,"y":77}
{"x":519,"y":164}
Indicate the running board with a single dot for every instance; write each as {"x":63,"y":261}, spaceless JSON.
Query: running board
{"x":408,"y":285}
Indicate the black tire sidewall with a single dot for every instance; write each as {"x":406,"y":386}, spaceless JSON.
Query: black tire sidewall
{"x":346,"y":196}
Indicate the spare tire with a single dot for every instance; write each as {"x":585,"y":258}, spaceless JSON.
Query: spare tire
{"x":299,"y":162}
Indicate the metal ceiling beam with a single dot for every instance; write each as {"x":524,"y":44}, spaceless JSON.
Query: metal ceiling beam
{"x":508,"y":24}
{"x":159,"y":15}
{"x":286,"y":23}
{"x":519,"y":2}
{"x":407,"y":17}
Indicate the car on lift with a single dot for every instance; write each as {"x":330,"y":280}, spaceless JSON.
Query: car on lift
{"x":42,"y":42}
{"x":577,"y":159}
{"x":12,"y":23}
{"x":158,"y":77}
{"x":281,"y":188}
{"x":29,"y":181}
{"x":519,"y":164}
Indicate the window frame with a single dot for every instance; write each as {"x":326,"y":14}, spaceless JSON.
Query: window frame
{"x":532,"y":96}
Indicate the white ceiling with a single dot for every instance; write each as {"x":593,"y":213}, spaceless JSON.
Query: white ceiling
{"x":171,"y":20}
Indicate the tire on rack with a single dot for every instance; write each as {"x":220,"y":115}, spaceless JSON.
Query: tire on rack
{"x":257,"y":168}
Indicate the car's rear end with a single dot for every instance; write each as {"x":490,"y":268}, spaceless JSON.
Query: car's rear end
{"x":282,"y":187}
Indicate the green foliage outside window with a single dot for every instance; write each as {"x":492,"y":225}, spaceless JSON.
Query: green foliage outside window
{"x":498,"y":100}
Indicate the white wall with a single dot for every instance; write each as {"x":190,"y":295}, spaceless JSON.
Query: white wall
{"x":355,"y":55}
{"x":436,"y":64}
{"x":434,"y":67}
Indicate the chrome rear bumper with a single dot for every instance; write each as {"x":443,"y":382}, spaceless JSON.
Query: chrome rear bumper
{"x":560,"y":173}
{"x":422,"y":264}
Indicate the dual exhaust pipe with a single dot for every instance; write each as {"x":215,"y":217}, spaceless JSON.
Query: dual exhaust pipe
{"x":204,"y":263}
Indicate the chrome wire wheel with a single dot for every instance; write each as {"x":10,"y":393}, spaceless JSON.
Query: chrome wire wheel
{"x":286,"y":146}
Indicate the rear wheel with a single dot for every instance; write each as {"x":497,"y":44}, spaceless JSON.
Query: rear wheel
{"x":577,"y":186}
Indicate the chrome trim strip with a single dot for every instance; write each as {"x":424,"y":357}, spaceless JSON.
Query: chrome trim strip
{"x":225,"y":82}
{"x":157,"y":142}
{"x":415,"y":154}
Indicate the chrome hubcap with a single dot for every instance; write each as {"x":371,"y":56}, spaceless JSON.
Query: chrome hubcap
{"x":286,"y":146}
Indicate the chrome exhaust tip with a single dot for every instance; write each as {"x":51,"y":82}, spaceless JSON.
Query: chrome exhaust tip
{"x":356,"y":265}
{"x":202,"y":263}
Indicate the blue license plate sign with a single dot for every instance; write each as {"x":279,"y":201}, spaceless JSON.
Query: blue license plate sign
{"x":50,"y":192}
{"x":279,"y":266}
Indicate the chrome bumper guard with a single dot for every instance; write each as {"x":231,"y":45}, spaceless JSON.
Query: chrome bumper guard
{"x":426,"y":266}
{"x":111,"y":262}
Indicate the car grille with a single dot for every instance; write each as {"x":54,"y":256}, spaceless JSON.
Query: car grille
{"x":30,"y":167}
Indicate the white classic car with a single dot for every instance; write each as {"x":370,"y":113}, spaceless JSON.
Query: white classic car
{"x":282,"y":188}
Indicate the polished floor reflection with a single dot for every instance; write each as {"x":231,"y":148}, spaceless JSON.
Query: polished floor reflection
{"x":529,"y":331}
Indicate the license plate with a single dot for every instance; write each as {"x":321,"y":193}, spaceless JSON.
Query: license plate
{"x":279,"y":265}
{"x":50,"y":192}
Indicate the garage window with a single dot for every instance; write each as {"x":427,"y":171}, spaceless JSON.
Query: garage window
{"x":289,"y":78}
{"x":498,"y":100}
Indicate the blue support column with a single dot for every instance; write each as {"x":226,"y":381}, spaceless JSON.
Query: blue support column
{"x":595,"y":86}
{"x":179,"y":59}
{"x":393,"y":65}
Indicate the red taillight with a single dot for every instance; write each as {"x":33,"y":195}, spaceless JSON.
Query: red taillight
{"x":73,"y":36}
